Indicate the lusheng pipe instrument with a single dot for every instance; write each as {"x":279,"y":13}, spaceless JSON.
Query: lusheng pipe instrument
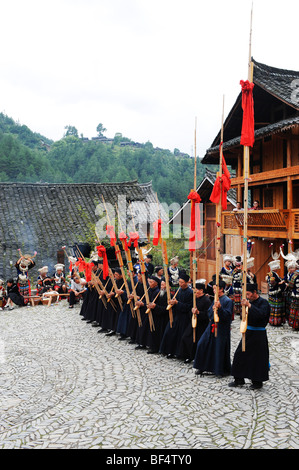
{"x":218,"y":228}
{"x":170,"y":306}
{"x":141,"y":298}
{"x":158,"y":239}
{"x":141,"y":259}
{"x":152,"y":302}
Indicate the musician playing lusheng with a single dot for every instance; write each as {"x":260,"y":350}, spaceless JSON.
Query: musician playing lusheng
{"x":181,"y":308}
{"x":213,"y":352}
{"x":253,"y":363}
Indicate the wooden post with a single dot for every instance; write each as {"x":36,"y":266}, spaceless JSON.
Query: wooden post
{"x":218,"y":227}
{"x":243,"y":324}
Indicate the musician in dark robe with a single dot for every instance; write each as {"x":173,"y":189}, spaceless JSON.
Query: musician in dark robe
{"x":133,"y":322}
{"x":114,"y":307}
{"x":127,"y":312}
{"x":101,"y":305}
{"x":160,"y":318}
{"x":181,"y":307}
{"x":213,"y":352}
{"x":90,"y":296}
{"x":149,"y":265}
{"x":189,"y":341}
{"x":253,"y":363}
{"x":143,"y":331}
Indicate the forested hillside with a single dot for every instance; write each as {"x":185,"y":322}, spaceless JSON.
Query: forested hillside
{"x":29,"y":157}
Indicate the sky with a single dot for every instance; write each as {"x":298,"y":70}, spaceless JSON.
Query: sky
{"x":153,"y":70}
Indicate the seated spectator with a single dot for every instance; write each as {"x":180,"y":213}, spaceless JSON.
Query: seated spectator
{"x":13,"y":295}
{"x":256,"y":206}
{"x":76,"y":290}
{"x":238,"y":207}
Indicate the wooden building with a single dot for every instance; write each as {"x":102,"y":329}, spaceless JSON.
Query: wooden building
{"x":274,"y":169}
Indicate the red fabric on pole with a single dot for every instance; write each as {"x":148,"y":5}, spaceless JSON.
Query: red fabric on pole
{"x":226,"y":183}
{"x":123,"y":238}
{"x":81,"y":265}
{"x":134,"y":237}
{"x":111,"y":234}
{"x":195,"y":232}
{"x":102,"y":254}
{"x":247,"y":133}
{"x":157,"y":234}
{"x":88,"y":269}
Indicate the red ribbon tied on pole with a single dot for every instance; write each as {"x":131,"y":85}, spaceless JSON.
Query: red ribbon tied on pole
{"x":157,"y":234}
{"x":81,"y":264}
{"x":102,"y":254}
{"x":111,"y":234}
{"x":195,"y":232}
{"x":123,"y":238}
{"x":134,"y":237}
{"x":226,"y":183}
{"x":247,"y":133}
{"x":88,"y":269}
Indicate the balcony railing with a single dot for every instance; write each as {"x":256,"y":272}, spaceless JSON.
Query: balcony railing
{"x":260,"y":222}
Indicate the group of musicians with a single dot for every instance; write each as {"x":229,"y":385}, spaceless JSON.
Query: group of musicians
{"x":163,"y":318}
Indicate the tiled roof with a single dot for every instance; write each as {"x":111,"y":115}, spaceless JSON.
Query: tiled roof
{"x":44,"y":217}
{"x":280,"y":126}
{"x":276,"y":81}
{"x":274,"y":89}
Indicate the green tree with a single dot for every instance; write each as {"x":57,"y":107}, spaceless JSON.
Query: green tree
{"x":71,"y":130}
{"x":100,"y":130}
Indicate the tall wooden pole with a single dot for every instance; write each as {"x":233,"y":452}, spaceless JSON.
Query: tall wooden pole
{"x":194,"y":260}
{"x":218,"y":225}
{"x":243,"y":324}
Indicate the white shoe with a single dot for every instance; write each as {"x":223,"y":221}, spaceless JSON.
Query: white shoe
{"x":11,"y":308}
{"x":6,"y":306}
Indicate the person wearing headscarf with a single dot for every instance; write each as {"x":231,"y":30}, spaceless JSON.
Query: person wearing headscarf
{"x":253,"y":363}
{"x":275,"y":295}
{"x":213,"y":352}
{"x":189,"y":341}
{"x":237,"y":286}
{"x":181,"y":307}
{"x":23,"y":265}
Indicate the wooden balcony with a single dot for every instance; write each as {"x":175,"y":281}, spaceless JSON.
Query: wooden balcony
{"x":272,"y":223}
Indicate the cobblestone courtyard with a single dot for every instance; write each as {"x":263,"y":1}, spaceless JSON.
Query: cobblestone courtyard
{"x":63,"y":386}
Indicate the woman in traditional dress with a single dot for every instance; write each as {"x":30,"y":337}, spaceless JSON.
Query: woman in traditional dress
{"x":2,"y":294}
{"x":294,"y":306}
{"x":23,"y":265}
{"x":237,"y":286}
{"x":174,"y":273}
{"x":226,"y":274}
{"x":275,"y":294}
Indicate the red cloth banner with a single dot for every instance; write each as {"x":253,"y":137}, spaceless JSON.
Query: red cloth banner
{"x":81,"y":264}
{"x":247,"y":133}
{"x":157,"y":231}
{"x":226,"y":183}
{"x":111,"y":234}
{"x":102,"y":254}
{"x":123,"y":238}
{"x":88,"y":269}
{"x":134,"y":237}
{"x":195,"y":232}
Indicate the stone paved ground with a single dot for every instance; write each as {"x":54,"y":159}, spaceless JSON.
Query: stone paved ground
{"x":63,"y":386}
